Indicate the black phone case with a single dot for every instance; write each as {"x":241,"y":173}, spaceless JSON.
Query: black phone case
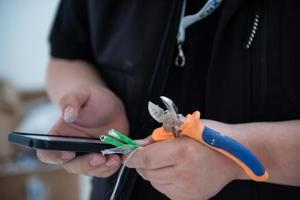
{"x":78,"y":147}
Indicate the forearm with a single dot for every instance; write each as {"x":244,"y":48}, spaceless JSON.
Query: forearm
{"x":64,"y":76}
{"x":276,"y":144}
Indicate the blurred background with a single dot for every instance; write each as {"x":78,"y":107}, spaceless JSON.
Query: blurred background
{"x":24,"y":29}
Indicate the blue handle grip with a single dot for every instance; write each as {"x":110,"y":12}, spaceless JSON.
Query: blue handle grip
{"x":237,"y":150}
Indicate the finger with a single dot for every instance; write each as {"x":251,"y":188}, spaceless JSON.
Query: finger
{"x":84,"y":163}
{"x":158,"y":176}
{"x":87,"y":163}
{"x":55,"y":157}
{"x":154,"y":156}
{"x":146,"y":141}
{"x":113,"y":160}
{"x":107,"y":169}
{"x":71,"y":104}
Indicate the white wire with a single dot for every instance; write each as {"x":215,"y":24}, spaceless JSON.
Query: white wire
{"x":112,"y":196}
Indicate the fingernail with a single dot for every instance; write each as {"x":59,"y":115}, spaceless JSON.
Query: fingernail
{"x":69,"y":114}
{"x":67,"y":155}
{"x":96,"y":161}
{"x":111,"y":162}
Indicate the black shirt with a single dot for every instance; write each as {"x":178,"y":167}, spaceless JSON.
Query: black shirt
{"x":186,"y":85}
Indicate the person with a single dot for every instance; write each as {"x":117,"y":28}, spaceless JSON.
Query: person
{"x":108,"y":59}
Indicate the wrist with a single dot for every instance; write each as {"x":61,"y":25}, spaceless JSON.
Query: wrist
{"x":240,"y":133}
{"x":232,"y":131}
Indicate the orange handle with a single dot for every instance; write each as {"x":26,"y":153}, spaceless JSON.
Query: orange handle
{"x":191,"y":128}
{"x":160,"y":134}
{"x":225,"y":145}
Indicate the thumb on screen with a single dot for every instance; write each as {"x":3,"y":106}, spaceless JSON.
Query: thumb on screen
{"x":70,"y":114}
{"x":71,"y":105}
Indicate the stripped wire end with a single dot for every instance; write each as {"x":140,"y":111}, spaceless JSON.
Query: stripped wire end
{"x":123,"y":144}
{"x":126,"y":149}
{"x":125,"y":139}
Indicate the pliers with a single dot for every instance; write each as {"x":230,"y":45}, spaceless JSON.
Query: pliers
{"x":175,"y":125}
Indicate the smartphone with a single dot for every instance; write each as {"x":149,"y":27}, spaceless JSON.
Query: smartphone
{"x":80,"y":145}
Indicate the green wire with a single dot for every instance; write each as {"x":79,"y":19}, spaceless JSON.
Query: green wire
{"x":122,"y":137}
{"x":111,"y":141}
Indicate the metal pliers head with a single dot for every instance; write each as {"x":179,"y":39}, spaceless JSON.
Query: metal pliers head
{"x":170,"y":119}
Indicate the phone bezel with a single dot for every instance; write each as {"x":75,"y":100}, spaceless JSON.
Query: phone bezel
{"x":36,"y":141}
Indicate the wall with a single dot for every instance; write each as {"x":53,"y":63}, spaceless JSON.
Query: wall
{"x":24,"y":30}
{"x":24,"y":27}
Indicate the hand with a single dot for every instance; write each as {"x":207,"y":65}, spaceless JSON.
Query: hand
{"x":87,"y":112}
{"x":184,"y":169}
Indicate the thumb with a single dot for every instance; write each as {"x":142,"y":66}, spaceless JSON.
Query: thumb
{"x":71,"y":105}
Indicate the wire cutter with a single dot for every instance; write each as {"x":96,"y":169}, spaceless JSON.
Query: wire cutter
{"x":175,"y":125}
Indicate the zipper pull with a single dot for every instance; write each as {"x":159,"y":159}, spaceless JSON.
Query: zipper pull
{"x":180,"y":58}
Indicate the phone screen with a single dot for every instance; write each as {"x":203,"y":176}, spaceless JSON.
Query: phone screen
{"x":57,"y":142}
{"x":63,"y":139}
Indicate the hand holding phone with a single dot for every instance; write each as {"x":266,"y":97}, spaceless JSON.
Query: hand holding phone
{"x":87,"y":112}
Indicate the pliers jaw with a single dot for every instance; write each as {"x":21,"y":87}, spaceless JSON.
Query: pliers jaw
{"x":170,"y":119}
